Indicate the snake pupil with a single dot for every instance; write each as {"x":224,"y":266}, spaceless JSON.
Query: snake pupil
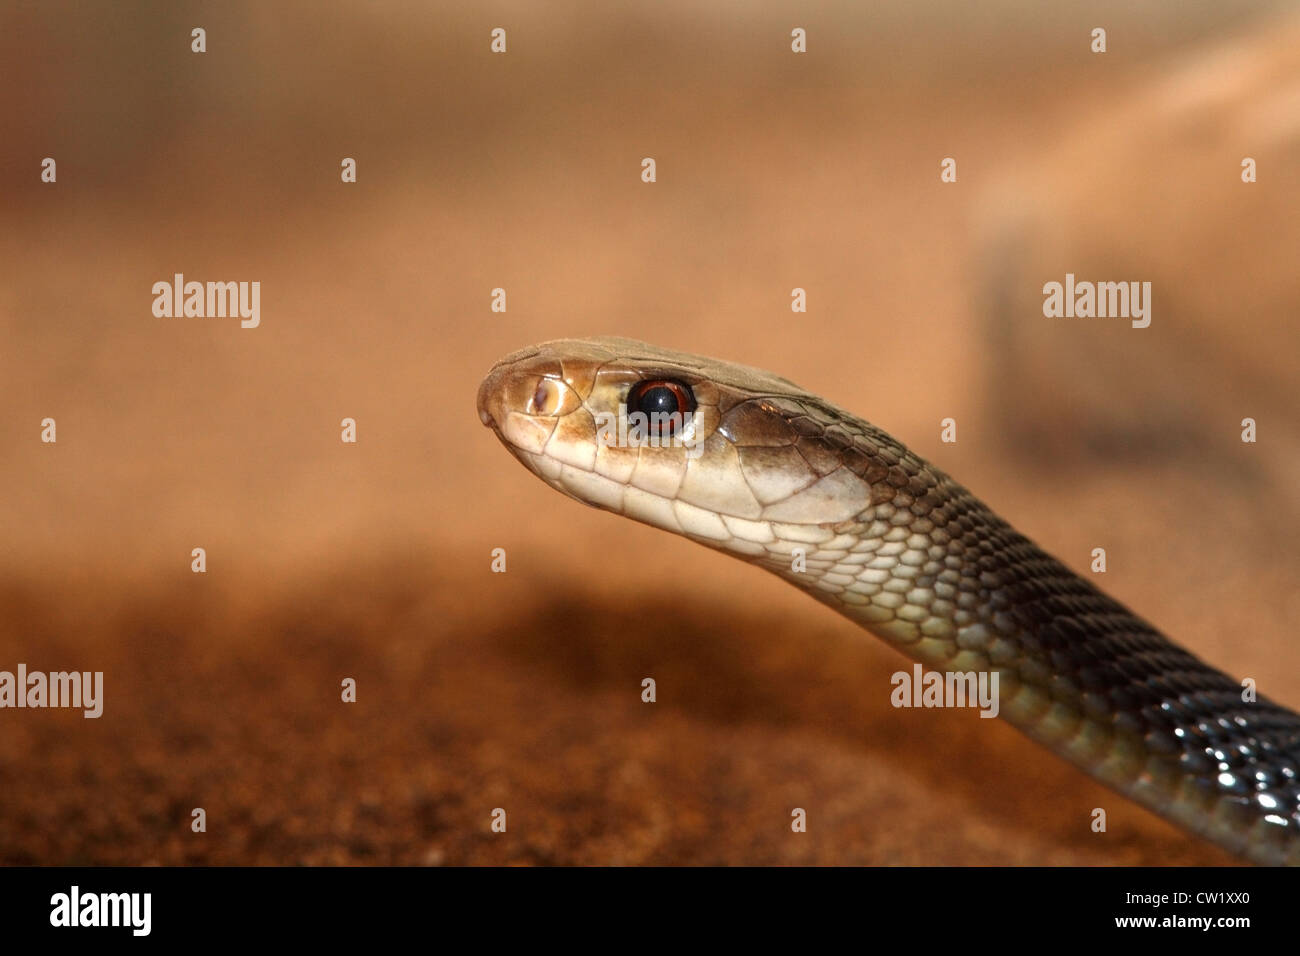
{"x":661,"y":398}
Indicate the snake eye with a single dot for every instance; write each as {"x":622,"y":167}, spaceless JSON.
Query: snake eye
{"x":547,"y":399}
{"x":663,"y":402}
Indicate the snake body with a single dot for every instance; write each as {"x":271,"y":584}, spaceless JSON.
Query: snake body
{"x":771,"y":472}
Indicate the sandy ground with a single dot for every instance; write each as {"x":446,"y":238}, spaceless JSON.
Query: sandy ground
{"x":371,"y":561}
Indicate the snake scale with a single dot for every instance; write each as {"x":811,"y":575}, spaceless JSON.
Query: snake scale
{"x":758,"y":467}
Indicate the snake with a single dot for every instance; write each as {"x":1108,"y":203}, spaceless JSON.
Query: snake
{"x":748,"y":463}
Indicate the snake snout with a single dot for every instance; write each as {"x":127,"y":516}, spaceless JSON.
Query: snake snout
{"x":494,"y":391}
{"x":523,"y":387}
{"x":489,"y":392}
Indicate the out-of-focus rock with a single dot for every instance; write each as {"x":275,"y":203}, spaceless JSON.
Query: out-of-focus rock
{"x":1148,"y":187}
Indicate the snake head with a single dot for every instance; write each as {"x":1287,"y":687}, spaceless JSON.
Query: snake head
{"x":718,"y":452}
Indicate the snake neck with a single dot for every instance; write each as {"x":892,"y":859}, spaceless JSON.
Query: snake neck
{"x":933,"y":571}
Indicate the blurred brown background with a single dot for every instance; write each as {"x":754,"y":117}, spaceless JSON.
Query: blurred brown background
{"x":522,"y":171}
